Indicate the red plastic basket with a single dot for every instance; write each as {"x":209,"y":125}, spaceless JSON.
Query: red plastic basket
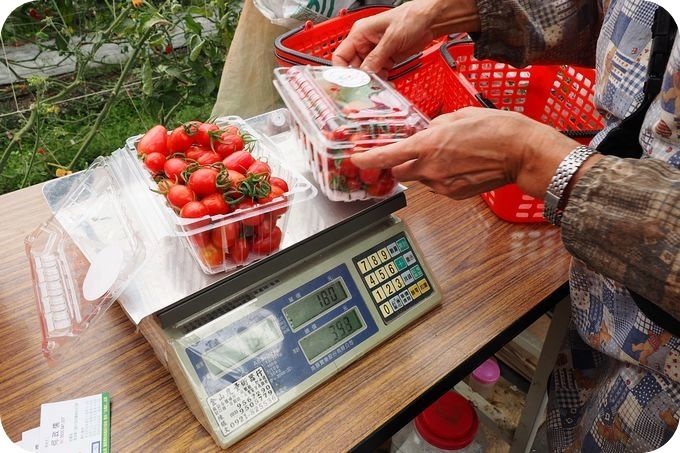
{"x":560,"y":96}
{"x":419,"y":78}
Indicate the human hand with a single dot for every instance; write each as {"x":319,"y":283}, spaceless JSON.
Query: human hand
{"x":475,"y":150}
{"x":377,"y":43}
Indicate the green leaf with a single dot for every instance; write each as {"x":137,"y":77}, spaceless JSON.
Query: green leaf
{"x":154,"y":21}
{"x":196,"y":51}
{"x":192,"y":25}
{"x":147,"y":78}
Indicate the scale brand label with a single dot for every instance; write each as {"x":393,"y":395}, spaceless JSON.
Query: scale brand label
{"x":237,"y":404}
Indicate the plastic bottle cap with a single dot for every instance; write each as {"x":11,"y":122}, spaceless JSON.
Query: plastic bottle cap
{"x":487,"y":373}
{"x":450,"y":423}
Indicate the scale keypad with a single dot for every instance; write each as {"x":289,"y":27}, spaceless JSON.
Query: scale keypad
{"x":393,"y":276}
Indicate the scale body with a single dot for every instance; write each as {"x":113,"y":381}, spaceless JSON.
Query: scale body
{"x":243,"y":360}
{"x":243,"y":346}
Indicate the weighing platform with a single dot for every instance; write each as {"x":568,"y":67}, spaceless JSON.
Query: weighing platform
{"x":245,"y":345}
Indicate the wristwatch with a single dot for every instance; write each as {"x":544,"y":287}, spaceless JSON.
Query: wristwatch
{"x":553,"y":203}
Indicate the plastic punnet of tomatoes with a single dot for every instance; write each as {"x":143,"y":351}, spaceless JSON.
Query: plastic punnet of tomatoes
{"x":342,"y":111}
{"x":224,"y":188}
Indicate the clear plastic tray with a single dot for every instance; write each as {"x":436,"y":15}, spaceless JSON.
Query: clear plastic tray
{"x":207,"y":235}
{"x":83,"y":257}
{"x":110,"y":221}
{"x":342,"y":111}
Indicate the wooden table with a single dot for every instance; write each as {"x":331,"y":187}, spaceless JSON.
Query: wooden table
{"x":496,"y":278}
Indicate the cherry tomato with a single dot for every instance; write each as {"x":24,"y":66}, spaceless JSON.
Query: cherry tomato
{"x":193,"y":210}
{"x":267,"y":244}
{"x":275,"y":192}
{"x":215,"y":204}
{"x":181,"y":138}
{"x":253,"y":220}
{"x":235,"y":178}
{"x":209,"y":158}
{"x":179,"y":195}
{"x":239,"y":161}
{"x":381,"y":188}
{"x":348,"y":169}
{"x":369,"y":175}
{"x":194,"y":152}
{"x":231,"y":130}
{"x":212,"y":256}
{"x":227,"y":144}
{"x":202,"y":181}
{"x":240,"y":251}
{"x":173,"y":169}
{"x":260,"y":168}
{"x":275,"y":181}
{"x":200,"y":239}
{"x":225,"y":237}
{"x":265,"y":228}
{"x":154,"y":141}
{"x":154,"y":162}
{"x":203,"y":135}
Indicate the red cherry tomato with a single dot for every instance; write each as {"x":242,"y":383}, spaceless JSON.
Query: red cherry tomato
{"x":181,"y":138}
{"x":194,"y":152}
{"x":179,"y":195}
{"x":202,"y":181}
{"x":265,"y":228}
{"x":173,"y":169}
{"x":240,"y":251}
{"x":369,"y":175}
{"x":212,"y":256}
{"x":260,"y":168}
{"x":204,"y":134}
{"x":267,"y":244}
{"x":209,"y":158}
{"x":200,"y":239}
{"x":225,"y":237}
{"x":348,"y":169}
{"x":215,"y":204}
{"x":239,"y":161}
{"x":154,"y":141}
{"x":253,"y":220}
{"x":275,"y":181}
{"x":381,"y":188}
{"x":235,"y":178}
{"x":154,"y":162}
{"x":193,"y":210}
{"x":227,"y":144}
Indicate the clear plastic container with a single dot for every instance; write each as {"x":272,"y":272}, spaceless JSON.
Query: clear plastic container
{"x":216,"y":241}
{"x":110,"y":220}
{"x":83,"y":257}
{"x":342,"y":111}
{"x":448,"y":425}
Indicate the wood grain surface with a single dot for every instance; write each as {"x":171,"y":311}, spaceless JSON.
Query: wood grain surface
{"x":491,"y":273}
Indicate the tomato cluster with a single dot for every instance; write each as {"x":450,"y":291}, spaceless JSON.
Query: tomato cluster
{"x":208,"y":171}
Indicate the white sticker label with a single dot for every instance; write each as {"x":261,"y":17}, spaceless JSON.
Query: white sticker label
{"x":347,"y":77}
{"x":237,"y":404}
{"x":103,"y":272}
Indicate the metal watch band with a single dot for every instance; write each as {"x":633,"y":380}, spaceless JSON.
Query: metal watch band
{"x":553,"y":205}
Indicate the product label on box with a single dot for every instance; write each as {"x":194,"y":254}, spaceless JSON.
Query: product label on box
{"x":347,"y":77}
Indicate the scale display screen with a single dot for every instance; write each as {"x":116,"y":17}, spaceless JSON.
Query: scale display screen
{"x":313,"y":304}
{"x":333,"y":333}
{"x":238,"y":348}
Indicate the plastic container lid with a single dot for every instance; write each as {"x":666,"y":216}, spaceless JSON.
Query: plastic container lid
{"x":450,"y":423}
{"x":347,"y":107}
{"x":488,"y":372}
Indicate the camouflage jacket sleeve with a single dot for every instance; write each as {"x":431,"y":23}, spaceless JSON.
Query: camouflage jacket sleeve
{"x":623,"y":220}
{"x":522,"y":32}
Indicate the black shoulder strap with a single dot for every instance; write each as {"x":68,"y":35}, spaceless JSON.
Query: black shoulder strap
{"x":624,"y":140}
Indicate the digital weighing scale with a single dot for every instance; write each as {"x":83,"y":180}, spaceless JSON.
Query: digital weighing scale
{"x":244,"y":347}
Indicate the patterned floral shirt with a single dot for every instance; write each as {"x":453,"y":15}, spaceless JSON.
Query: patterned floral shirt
{"x":617,"y":385}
